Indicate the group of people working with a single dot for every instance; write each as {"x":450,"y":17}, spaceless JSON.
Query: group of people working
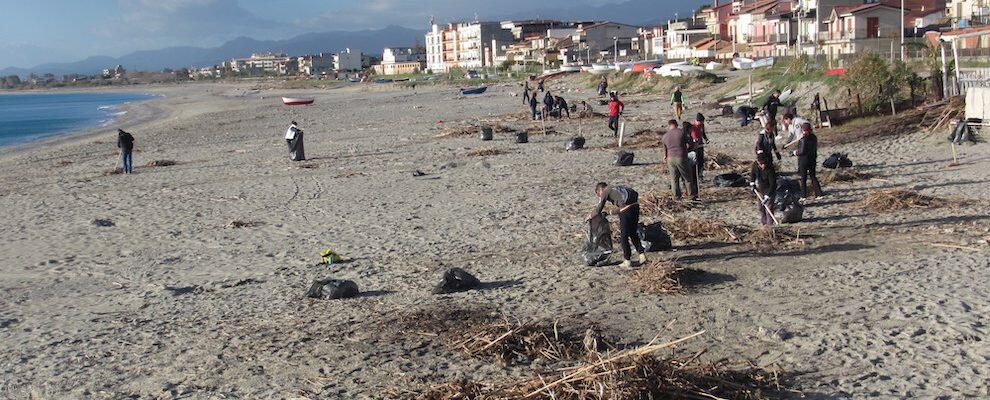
{"x":684,"y":154}
{"x":553,"y":106}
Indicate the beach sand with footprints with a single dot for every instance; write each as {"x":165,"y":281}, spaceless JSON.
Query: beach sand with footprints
{"x":187,"y":279}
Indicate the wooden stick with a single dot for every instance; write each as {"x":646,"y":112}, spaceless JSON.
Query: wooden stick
{"x":759,"y":198}
{"x":622,"y":131}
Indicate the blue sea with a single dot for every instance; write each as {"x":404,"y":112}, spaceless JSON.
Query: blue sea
{"x":28,"y":117}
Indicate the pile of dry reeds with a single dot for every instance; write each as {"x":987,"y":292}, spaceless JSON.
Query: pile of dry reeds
{"x":774,"y":239}
{"x":519,"y":116}
{"x":488,"y":151}
{"x":510,"y":341}
{"x":461,"y":389}
{"x":457,"y":131}
{"x":658,"y":277}
{"x":236,"y":224}
{"x":845,"y":175}
{"x":161,"y":163}
{"x":707,"y":229}
{"x":632,"y":373}
{"x":898,"y":199}
{"x":662,"y":204}
{"x":722,"y":161}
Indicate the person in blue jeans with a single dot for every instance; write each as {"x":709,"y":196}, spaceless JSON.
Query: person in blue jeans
{"x":125,"y":143}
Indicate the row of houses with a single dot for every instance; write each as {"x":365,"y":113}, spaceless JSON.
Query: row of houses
{"x":721,"y":30}
{"x":271,"y":63}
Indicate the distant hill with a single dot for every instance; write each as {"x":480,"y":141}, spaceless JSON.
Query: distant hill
{"x":369,"y":41}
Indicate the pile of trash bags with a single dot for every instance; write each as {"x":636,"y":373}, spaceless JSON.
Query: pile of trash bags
{"x":731,"y":179}
{"x":654,"y":238}
{"x":787,"y":201}
{"x":598,"y":245}
{"x":456,"y":280}
{"x":837,"y":160}
{"x":624,"y":158}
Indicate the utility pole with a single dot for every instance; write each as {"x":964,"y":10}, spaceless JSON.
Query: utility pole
{"x":903,"y":54}
{"x":615,"y":50}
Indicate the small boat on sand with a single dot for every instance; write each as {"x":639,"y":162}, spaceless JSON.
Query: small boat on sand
{"x":478,"y":90}
{"x":297,"y":101}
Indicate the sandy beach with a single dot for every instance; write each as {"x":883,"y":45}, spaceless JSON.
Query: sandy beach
{"x":197,"y":290}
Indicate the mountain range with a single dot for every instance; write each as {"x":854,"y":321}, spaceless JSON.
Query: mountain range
{"x":639,"y":12}
{"x":184,"y":57}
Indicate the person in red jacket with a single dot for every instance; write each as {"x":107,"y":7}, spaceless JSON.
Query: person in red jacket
{"x":699,"y":138}
{"x":615,"y":109}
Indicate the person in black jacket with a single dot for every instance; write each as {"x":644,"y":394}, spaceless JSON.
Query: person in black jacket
{"x":533,"y":102}
{"x":562,"y":106}
{"x":125,"y":143}
{"x":807,"y":153}
{"x":547,"y":105}
{"x":763,"y":179}
{"x":627,"y":201}
{"x":770,"y":106}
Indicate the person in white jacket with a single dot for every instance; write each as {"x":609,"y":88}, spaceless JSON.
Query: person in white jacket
{"x":792,"y":130}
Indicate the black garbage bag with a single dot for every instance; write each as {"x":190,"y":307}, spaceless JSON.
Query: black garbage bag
{"x":576,"y":143}
{"x":522,"y":137}
{"x":792,"y":213}
{"x":624,"y":158}
{"x":726,"y":111}
{"x":837,"y":160}
{"x":486,"y":133}
{"x":654,"y":238}
{"x":731,"y":179}
{"x":328,"y":289}
{"x":456,"y":280}
{"x":788,"y":193}
{"x":599,"y":243}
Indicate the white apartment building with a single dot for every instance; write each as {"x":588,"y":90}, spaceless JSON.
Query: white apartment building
{"x":464,"y":45}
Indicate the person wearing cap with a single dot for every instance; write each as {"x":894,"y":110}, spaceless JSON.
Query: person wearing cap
{"x":807,"y":154}
{"x":792,"y":130}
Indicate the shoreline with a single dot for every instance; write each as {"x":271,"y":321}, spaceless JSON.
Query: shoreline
{"x":137,"y":114}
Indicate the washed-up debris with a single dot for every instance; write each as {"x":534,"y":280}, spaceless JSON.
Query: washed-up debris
{"x":624,"y":158}
{"x":898,"y":199}
{"x":332,"y":289}
{"x":161,"y":163}
{"x":576,"y":143}
{"x":657,"y":277}
{"x":103,"y":223}
{"x":456,"y":280}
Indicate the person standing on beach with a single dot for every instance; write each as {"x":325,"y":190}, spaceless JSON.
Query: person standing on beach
{"x":677,"y":101}
{"x":532,"y":105}
{"x":792,"y":127}
{"x":547,"y":105}
{"x":562,"y":106}
{"x":675,"y":147}
{"x":699,"y":138}
{"x":807,"y":154}
{"x":615,"y":109}
{"x":816,"y":110}
{"x":763,"y":179}
{"x":539,"y":85}
{"x":603,"y":87}
{"x":125,"y":143}
{"x":294,"y":139}
{"x":765,"y":143}
{"x":526,"y":93}
{"x":771,"y":105}
{"x":627,"y":201}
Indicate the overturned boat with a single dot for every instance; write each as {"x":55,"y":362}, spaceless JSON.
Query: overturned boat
{"x":297,"y":101}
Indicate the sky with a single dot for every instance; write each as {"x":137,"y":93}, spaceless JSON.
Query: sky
{"x":39,"y":31}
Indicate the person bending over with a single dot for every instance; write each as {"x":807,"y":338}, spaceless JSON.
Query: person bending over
{"x":627,"y":201}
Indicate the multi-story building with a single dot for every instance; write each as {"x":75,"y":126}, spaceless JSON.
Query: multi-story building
{"x":315,"y":64}
{"x":652,"y":42}
{"x":681,"y":37}
{"x":269,"y":63}
{"x":964,"y":13}
{"x":601,"y":41}
{"x":402,"y":60}
{"x":464,"y":45}
{"x":348,"y":60}
{"x":867,"y":27}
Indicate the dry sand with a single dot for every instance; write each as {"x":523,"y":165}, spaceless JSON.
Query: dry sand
{"x":170,"y":302}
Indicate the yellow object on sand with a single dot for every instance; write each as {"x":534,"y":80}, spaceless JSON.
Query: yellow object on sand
{"x":329,"y":257}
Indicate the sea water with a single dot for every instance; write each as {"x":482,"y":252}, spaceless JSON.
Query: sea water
{"x":32,"y":116}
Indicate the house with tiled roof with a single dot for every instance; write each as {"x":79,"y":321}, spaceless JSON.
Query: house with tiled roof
{"x":865,"y":27}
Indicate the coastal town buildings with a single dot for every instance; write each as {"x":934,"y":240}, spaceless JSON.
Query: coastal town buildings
{"x":465,"y":45}
{"x":401,"y":60}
